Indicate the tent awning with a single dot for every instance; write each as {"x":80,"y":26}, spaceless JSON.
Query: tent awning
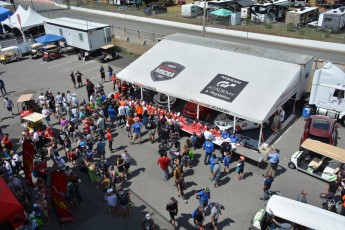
{"x":49,"y":38}
{"x":4,"y":13}
{"x":34,"y":117}
{"x":188,"y":67}
{"x":32,"y":19}
{"x":25,"y":97}
{"x":13,"y":20}
{"x":10,"y":206}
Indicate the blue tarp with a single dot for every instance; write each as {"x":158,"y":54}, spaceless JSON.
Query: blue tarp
{"x":49,"y":38}
{"x":4,"y":13}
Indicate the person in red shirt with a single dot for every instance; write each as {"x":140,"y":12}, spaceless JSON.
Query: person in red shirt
{"x":7,"y":142}
{"x":164,"y":163}
{"x":110,"y":139}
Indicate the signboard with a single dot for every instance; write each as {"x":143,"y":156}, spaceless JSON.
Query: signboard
{"x":166,"y":71}
{"x":224,"y":87}
{"x":58,"y":191}
{"x":28,"y":161}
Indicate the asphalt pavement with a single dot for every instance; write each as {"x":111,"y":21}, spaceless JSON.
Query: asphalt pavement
{"x":149,"y":192}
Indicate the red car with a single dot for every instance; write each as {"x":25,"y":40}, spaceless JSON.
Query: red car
{"x":190,"y":112}
{"x":321,"y":128}
{"x":51,"y":52}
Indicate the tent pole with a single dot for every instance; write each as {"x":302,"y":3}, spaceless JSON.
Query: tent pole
{"x":260,"y":136}
{"x":169,"y":103}
{"x":234,"y":129}
{"x":141,"y":92}
{"x":197,"y":111}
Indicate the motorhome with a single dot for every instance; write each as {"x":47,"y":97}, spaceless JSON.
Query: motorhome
{"x":191,"y":10}
{"x":327,"y":92}
{"x":298,"y":3}
{"x":271,"y":11}
{"x":333,"y":19}
{"x":302,"y":16}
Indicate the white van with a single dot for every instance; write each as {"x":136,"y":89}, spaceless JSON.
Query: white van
{"x":298,"y":214}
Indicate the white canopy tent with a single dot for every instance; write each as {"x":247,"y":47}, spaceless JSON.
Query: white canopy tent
{"x":13,"y":20}
{"x":32,"y":19}
{"x":231,"y":78}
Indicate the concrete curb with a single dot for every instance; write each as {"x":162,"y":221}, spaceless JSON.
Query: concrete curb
{"x":311,"y":44}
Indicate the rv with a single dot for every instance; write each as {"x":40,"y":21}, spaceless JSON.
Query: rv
{"x":81,"y":34}
{"x":333,"y":19}
{"x":191,"y":10}
{"x":327,"y":92}
{"x":298,"y":3}
{"x":269,"y":11}
{"x":302,"y":16}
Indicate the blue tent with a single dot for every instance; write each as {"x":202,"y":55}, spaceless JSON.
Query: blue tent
{"x":4,"y":13}
{"x":49,"y":38}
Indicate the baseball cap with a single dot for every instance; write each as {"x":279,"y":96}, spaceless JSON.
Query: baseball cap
{"x":110,"y":190}
{"x":207,"y":189}
{"x":242,"y":158}
{"x":147,"y":216}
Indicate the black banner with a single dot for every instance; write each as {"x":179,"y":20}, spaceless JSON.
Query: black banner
{"x":224,"y":87}
{"x":166,"y":71}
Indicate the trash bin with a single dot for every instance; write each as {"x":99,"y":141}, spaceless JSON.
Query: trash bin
{"x":306,"y":111}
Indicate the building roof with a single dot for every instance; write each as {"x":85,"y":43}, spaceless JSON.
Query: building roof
{"x":76,"y":23}
{"x":303,"y":10}
{"x":245,"y":3}
{"x":340,"y":11}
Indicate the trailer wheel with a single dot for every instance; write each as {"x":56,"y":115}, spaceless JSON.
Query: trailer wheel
{"x":291,"y":165}
{"x":342,"y":121}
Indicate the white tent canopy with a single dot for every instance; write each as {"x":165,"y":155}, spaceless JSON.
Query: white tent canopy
{"x":13,"y":20}
{"x":235,"y":79}
{"x":32,"y":19}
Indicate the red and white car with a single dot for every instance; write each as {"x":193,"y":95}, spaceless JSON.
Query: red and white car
{"x":226,"y":122}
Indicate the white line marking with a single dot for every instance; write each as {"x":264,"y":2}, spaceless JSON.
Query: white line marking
{"x":76,"y":66}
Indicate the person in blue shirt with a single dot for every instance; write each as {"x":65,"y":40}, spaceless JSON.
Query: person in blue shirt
{"x":209,"y":148}
{"x":240,"y":168}
{"x":225,"y":134}
{"x":227,"y":161}
{"x":204,"y":195}
{"x":273,"y":161}
{"x":136,"y":131}
{"x":267,"y":185}
{"x":212,"y":162}
{"x":112,"y":114}
{"x":234,"y":138}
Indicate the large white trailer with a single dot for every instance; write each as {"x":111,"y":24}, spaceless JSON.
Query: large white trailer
{"x":81,"y":34}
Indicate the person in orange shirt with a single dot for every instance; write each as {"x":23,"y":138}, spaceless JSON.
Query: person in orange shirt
{"x":110,"y":139}
{"x":139,"y":110}
{"x":113,"y":78}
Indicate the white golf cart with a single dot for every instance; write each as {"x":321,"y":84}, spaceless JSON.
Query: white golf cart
{"x":318,"y":159}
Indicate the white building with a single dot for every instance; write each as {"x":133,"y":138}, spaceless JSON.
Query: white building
{"x":81,"y":34}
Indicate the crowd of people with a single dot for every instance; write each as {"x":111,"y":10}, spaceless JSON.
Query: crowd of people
{"x":84,"y":129}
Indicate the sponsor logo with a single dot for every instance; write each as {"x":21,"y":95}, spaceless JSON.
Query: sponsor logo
{"x":224,"y":87}
{"x":166,"y":71}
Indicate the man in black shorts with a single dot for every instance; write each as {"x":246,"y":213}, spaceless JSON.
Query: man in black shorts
{"x":101,"y":70}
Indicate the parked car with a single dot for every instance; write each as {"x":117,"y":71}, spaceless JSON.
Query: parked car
{"x":155,"y":9}
{"x":226,"y":122}
{"x":321,"y":128}
{"x":108,"y":53}
{"x":190,"y":111}
{"x":51,"y":52}
{"x":162,"y":100}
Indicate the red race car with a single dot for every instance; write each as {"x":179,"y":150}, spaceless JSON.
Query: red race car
{"x":321,"y":128}
{"x":190,"y":112}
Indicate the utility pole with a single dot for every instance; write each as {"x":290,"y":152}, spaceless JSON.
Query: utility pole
{"x":204,"y":20}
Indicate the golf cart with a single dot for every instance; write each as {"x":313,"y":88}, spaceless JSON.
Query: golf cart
{"x":108,"y":53}
{"x":51,"y":52}
{"x":36,"y":51}
{"x":318,"y":159}
{"x":10,"y":54}
{"x":33,"y":122}
{"x":28,"y":105}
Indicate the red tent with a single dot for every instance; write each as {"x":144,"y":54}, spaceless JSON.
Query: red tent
{"x":10,"y":206}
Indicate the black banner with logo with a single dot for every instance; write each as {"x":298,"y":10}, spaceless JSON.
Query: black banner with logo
{"x":166,"y":71}
{"x":224,"y":87}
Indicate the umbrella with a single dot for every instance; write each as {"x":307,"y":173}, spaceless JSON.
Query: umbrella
{"x":221,"y":12}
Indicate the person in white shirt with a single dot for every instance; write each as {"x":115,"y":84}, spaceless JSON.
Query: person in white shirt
{"x":8,"y":168}
{"x":111,"y":200}
{"x":46,"y":112}
{"x":92,"y":99}
{"x":42,"y":99}
{"x":207,"y":134}
{"x":121,"y":115}
{"x":61,"y":163}
{"x":74,"y":100}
